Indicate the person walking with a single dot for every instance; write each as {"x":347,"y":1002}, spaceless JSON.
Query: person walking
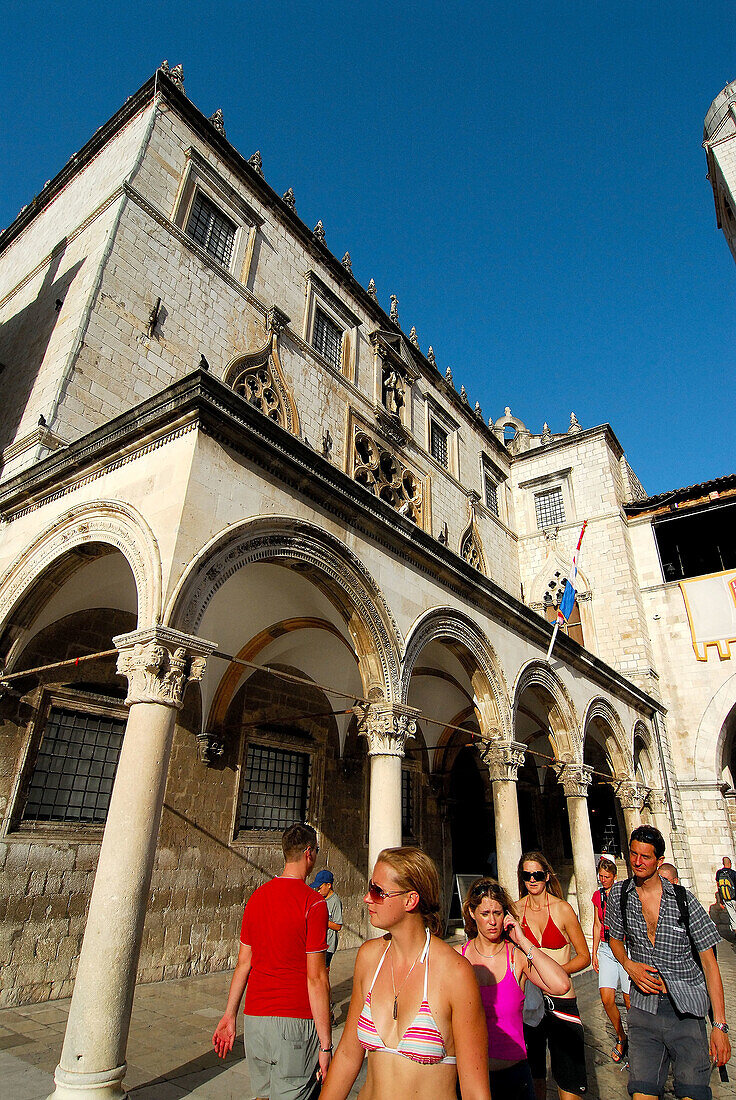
{"x":505,"y":960}
{"x":323,"y":883}
{"x":668,"y":954}
{"x":281,"y":969}
{"x":415,"y":1009}
{"x":551,"y":924}
{"x":611,"y":975}
{"x":669,"y":871}
{"x":726,"y":883}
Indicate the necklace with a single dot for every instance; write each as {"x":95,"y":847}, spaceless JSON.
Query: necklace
{"x":483,"y":954}
{"x":393,"y":984}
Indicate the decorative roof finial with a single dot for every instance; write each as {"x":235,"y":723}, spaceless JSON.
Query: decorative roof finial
{"x":448,"y":377}
{"x":430,"y":356}
{"x":288,"y":197}
{"x":478,"y":410}
{"x":394,"y":314}
{"x":546,"y":433}
{"x":463,"y":395}
{"x":175,"y":75}
{"x":574,"y":425}
{"x":256,"y":163}
{"x":413,"y":338}
{"x":372,"y":290}
{"x":347,"y":263}
{"x":319,"y":232}
{"x":218,"y":121}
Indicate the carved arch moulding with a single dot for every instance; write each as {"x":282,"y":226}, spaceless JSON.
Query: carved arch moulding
{"x":562,"y":715}
{"x":448,"y":625}
{"x":281,"y":540}
{"x":106,"y":521}
{"x":603,"y":710}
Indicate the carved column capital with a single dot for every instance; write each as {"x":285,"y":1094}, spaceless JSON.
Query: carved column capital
{"x":503,"y":759}
{"x":159,"y":663}
{"x":575,"y":779}
{"x":630,"y":795}
{"x":656,"y":801}
{"x":387,"y":727}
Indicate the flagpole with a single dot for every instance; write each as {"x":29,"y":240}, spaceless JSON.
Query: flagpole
{"x":574,"y":579}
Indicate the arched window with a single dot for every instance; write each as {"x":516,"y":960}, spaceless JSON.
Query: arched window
{"x":573,"y":627}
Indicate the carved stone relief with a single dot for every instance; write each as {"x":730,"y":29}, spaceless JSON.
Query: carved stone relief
{"x":380,"y":471}
{"x":258,"y":377}
{"x":387,"y":727}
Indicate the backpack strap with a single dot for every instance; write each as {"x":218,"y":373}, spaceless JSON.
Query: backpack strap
{"x":681,"y":899}
{"x":624,"y":900}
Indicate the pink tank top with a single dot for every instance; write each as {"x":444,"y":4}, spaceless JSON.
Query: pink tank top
{"x":503,"y":1004}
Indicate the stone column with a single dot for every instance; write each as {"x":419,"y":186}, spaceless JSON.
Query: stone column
{"x":504,"y":758}
{"x":159,"y":663}
{"x":387,"y":727}
{"x":631,"y":799}
{"x":576,"y":779}
{"x":656,"y":800}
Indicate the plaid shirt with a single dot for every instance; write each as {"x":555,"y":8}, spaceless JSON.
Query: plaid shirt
{"x":671,"y":953}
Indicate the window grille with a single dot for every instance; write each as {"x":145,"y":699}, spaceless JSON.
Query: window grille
{"x":275,"y":788}
{"x":327,"y":338}
{"x":491,"y":494}
{"x":407,"y":803}
{"x":75,"y":768}
{"x":549,"y":508}
{"x":438,"y":443}
{"x":209,"y":227}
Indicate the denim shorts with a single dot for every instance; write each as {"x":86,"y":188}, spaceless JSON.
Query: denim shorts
{"x":658,"y":1039}
{"x":611,"y":974}
{"x":282,"y":1053}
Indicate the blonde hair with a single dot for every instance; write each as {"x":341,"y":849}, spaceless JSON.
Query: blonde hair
{"x":413,"y":870}
{"x":553,"y":883}
{"x":481,"y":889}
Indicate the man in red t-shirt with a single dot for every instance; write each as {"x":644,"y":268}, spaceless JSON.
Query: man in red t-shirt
{"x":281,"y":968}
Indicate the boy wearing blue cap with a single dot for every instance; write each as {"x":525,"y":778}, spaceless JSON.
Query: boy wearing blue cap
{"x":322,"y":883}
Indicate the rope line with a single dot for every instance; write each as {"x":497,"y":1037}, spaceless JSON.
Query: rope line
{"x":359,"y":708}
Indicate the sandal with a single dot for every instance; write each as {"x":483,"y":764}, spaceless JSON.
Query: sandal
{"x":618,"y":1054}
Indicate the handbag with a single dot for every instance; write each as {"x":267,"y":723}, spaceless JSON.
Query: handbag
{"x":533,"y":1004}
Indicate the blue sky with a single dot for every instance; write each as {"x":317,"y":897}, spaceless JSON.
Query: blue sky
{"x":527,"y":179}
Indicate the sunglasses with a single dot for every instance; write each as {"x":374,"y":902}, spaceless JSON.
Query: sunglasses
{"x":377,"y":894}
{"x":533,"y":876}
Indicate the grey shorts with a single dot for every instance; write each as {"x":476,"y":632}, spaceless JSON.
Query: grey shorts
{"x":282,"y":1053}
{"x":611,"y":974}
{"x":655,"y":1040}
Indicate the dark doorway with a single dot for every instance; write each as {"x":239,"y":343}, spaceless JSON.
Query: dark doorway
{"x":603,"y":814}
{"x":471,"y":818}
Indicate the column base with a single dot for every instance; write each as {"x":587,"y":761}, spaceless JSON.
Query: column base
{"x":106,"y":1085}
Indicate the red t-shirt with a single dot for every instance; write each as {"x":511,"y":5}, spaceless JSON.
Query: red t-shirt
{"x":283,"y":920}
{"x":600,"y":907}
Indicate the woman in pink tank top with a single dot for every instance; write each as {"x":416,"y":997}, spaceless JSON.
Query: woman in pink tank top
{"x":504,"y":959}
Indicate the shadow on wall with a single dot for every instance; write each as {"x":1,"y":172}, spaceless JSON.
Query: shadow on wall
{"x":24,"y":339}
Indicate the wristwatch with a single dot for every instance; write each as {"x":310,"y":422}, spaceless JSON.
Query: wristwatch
{"x":721,"y":1027}
{"x":328,"y":1050}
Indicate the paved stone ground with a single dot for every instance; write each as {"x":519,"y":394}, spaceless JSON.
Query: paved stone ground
{"x":170,"y":1053}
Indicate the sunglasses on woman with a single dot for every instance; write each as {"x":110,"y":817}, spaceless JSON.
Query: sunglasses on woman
{"x":377,"y":894}
{"x":533,"y":876}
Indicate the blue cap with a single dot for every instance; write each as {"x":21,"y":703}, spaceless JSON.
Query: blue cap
{"x":321,"y":878}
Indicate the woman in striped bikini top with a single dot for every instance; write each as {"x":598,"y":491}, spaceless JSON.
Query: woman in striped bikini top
{"x":420,"y":1026}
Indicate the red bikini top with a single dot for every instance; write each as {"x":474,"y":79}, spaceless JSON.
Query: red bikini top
{"x":552,"y":938}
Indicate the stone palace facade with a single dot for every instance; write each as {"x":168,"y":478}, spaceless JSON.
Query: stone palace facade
{"x":263,"y":559}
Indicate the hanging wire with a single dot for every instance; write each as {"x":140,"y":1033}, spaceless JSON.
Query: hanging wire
{"x":359,"y":708}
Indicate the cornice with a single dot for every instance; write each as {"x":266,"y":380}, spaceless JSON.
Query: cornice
{"x":200,"y":401}
{"x":567,"y":440}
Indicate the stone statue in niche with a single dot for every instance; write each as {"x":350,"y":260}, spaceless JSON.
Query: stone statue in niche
{"x":393,"y":391}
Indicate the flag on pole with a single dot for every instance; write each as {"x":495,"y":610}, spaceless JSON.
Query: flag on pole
{"x":568,"y":596}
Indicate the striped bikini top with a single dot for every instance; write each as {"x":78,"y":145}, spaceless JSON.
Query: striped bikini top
{"x":422,"y":1041}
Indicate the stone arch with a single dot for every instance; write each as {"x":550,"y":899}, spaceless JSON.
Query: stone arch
{"x":602,"y":710}
{"x":340,"y":575}
{"x":110,"y":522}
{"x":537,"y":674}
{"x":643,"y":734}
{"x":712,"y":731}
{"x":477,"y":656}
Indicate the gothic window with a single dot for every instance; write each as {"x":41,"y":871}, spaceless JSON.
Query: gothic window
{"x":275,"y":788}
{"x":549,"y":508}
{"x":573,"y":627}
{"x":384,"y":475}
{"x":327,"y":338}
{"x":438,"y":444}
{"x":75,"y":768}
{"x":209,"y":227}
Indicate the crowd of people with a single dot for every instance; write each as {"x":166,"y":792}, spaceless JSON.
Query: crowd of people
{"x":477,"y":1020}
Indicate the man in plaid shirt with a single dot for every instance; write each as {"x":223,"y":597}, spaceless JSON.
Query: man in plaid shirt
{"x":670,"y":989}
